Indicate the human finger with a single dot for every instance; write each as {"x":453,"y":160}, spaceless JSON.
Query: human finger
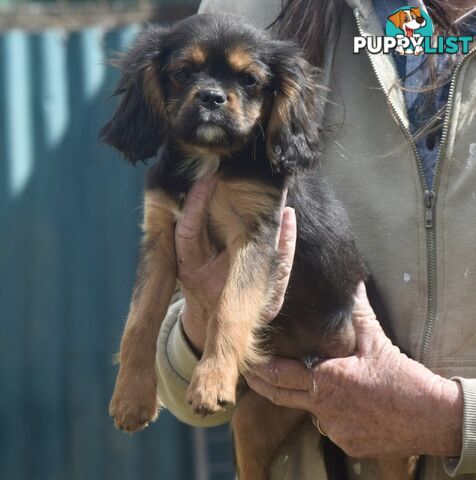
{"x":287,"y":373}
{"x":281,"y":209}
{"x":190,"y":233}
{"x":368,"y":330}
{"x":286,"y":250}
{"x":280,"y":396}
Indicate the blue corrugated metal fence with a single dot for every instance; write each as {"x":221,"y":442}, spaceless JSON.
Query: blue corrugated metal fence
{"x":69,"y":213}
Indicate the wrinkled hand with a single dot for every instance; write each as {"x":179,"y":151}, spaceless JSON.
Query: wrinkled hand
{"x":377,"y":403}
{"x":203,"y":272}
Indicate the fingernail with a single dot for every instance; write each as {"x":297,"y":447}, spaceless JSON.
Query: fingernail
{"x":289,"y":215}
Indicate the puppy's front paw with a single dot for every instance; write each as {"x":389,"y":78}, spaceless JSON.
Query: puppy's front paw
{"x":211,"y":389}
{"x":134,"y":403}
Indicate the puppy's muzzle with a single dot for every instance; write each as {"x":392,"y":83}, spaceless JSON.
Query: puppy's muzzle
{"x":212,"y":99}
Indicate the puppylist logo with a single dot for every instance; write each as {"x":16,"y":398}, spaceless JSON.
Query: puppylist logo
{"x":409,"y":31}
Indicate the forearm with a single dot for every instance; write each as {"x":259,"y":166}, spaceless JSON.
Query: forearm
{"x":444,"y":404}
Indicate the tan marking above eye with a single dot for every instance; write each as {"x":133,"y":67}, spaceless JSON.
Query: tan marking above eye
{"x":239,"y":59}
{"x":195,"y":54}
{"x":243,"y":62}
{"x":191,"y":57}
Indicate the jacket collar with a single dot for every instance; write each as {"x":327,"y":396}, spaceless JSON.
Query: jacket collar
{"x":365,"y":7}
{"x":383,"y":64}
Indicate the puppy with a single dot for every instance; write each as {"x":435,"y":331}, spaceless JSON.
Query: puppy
{"x":408,"y":21}
{"x":222,"y":98}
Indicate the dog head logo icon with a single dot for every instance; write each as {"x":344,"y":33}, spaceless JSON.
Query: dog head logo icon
{"x":410,"y":23}
{"x":408,"y":20}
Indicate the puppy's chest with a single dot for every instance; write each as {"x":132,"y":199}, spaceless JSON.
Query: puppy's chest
{"x":245,"y":202}
{"x":238,"y":210}
{"x":243,"y":210}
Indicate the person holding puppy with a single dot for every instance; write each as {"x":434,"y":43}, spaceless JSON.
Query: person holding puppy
{"x":411,"y":210}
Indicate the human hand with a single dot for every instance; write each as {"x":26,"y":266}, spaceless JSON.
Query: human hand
{"x":203,"y":273}
{"x":377,"y":403}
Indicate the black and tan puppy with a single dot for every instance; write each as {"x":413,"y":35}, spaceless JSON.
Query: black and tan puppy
{"x":222,"y":98}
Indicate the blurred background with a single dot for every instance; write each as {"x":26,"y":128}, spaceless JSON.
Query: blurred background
{"x":69,"y":215}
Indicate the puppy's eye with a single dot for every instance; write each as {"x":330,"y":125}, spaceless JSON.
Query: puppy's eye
{"x":183,"y":74}
{"x":248,"y":80}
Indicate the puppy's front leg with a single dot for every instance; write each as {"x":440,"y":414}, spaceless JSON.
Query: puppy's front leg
{"x":247,"y":217}
{"x":135,"y":402}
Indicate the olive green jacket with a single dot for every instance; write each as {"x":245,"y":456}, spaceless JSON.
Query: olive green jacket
{"x":422,"y":257}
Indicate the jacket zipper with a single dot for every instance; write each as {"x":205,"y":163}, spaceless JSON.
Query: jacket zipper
{"x":429,"y":195}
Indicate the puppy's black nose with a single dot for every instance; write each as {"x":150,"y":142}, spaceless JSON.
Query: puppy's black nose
{"x":420,"y":20}
{"x":212,"y":98}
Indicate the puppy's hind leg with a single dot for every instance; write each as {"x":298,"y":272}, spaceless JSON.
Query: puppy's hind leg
{"x":135,"y":402}
{"x":398,"y":469}
{"x":260,"y":428}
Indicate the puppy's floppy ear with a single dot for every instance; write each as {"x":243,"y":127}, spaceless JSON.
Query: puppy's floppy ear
{"x":397,"y":18}
{"x":293,"y":128}
{"x":416,"y":11}
{"x":138,"y":125}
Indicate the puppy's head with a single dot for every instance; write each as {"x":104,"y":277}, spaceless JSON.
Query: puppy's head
{"x":411,"y":19}
{"x":213,"y":83}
